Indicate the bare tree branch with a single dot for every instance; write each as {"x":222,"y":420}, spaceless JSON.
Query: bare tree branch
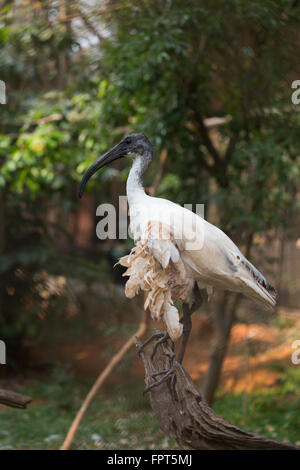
{"x":89,"y":24}
{"x":13,"y":399}
{"x":207,"y":140}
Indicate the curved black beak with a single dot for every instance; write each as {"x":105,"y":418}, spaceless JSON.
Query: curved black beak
{"x":115,"y":153}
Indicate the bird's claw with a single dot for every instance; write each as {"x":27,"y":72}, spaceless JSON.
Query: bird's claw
{"x":165,"y":336}
{"x":169,"y":376}
{"x":160,"y":336}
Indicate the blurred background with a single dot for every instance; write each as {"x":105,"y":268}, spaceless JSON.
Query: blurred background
{"x":209,"y":82}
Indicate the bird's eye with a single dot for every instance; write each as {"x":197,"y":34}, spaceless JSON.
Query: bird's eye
{"x":128,"y":140}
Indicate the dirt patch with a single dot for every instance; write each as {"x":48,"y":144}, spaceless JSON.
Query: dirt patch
{"x":254,"y":350}
{"x":254,"y":354}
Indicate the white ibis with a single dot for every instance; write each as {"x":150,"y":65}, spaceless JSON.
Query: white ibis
{"x":176,"y":251}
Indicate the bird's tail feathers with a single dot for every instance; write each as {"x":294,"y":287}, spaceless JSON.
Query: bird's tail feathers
{"x":258,"y":287}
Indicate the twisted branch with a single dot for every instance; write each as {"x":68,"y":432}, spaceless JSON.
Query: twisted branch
{"x":184,"y":415}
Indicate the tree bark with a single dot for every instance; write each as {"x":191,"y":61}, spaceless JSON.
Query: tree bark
{"x":13,"y":399}
{"x":183,"y":414}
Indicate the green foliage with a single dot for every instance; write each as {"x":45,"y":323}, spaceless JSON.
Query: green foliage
{"x":187,"y":62}
{"x":124,"y":420}
{"x":271,"y":413}
{"x":121,"y":422}
{"x":161,"y":68}
{"x":164,"y":75}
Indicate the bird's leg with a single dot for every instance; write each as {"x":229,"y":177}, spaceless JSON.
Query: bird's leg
{"x":198,"y":299}
{"x":169,"y":375}
{"x":187,"y":322}
{"x":187,"y":326}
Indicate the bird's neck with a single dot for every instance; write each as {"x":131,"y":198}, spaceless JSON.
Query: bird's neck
{"x":134,"y":187}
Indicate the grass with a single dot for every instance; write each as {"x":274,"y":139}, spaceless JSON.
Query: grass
{"x":121,"y":421}
{"x":273,"y":412}
{"x":121,"y":417}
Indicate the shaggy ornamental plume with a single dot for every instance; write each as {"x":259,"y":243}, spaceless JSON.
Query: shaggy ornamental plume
{"x":162,"y":277}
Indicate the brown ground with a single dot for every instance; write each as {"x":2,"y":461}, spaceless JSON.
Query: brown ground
{"x":253,"y":350}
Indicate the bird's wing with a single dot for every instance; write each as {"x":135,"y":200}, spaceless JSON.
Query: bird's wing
{"x":221,"y":263}
{"x":178,"y":234}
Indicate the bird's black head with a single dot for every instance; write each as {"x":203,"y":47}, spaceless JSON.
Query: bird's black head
{"x":133,"y":145}
{"x":136,"y":145}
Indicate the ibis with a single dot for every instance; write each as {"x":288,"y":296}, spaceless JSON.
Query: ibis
{"x":178,"y":255}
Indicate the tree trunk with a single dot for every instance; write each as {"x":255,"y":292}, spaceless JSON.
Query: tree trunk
{"x":223,"y":317}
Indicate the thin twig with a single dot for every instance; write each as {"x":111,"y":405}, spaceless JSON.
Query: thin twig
{"x":88,"y":23}
{"x":100,"y":380}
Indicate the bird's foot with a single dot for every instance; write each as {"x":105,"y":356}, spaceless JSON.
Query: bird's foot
{"x":160,"y":337}
{"x":163,"y":339}
{"x":169,"y":376}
